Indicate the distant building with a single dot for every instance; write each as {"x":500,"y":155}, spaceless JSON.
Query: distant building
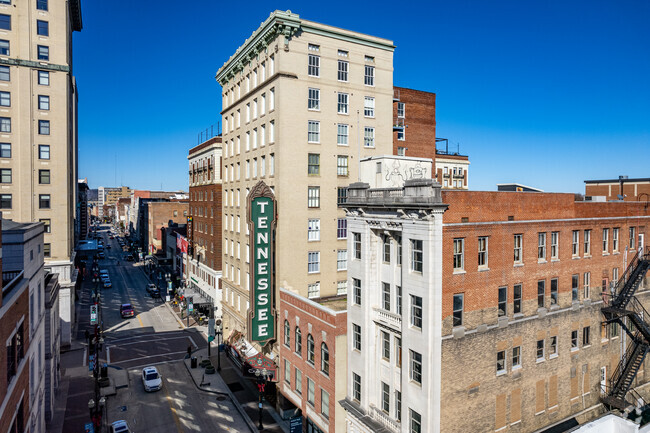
{"x":159,"y":215}
{"x":623,"y":188}
{"x":516,"y":187}
{"x":82,"y":219}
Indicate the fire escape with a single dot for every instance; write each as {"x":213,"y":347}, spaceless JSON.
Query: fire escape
{"x":623,"y":304}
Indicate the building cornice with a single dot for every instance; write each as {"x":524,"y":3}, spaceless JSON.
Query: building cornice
{"x":35,"y":65}
{"x":75,"y":14}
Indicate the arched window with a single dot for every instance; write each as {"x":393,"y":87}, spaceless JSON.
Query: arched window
{"x":324,"y":359}
{"x":310,"y":348}
{"x":298,"y":341}
{"x":287,"y":334}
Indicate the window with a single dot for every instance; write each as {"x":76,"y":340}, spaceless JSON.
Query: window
{"x":385,"y":346}
{"x":574,"y":287}
{"x":586,"y":278}
{"x":369,"y":76}
{"x":313,"y":230}
{"x":459,"y":255}
{"x":42,"y":28}
{"x":43,"y":151}
{"x":41,"y":5}
{"x":482,"y":251}
{"x":356,"y":387}
{"x":324,"y":359}
{"x":342,"y":105}
{"x":356,"y":291}
{"x":386,"y":248}
{"x":605,"y":240}
{"x":313,"y":131}
{"x":615,"y":240}
{"x":356,"y":336}
{"x":503,"y":301}
{"x":5,"y":99}
{"x":310,"y":349}
{"x":632,"y":237}
{"x":342,"y":165}
{"x":5,"y":74}
{"x":44,"y":201}
{"x":398,"y":244}
{"x":357,"y":245}
{"x":324,"y":403}
{"x":554,"y":245}
{"x":298,"y":338}
{"x":43,"y":52}
{"x":341,"y":228}
{"x":458,"y":310}
{"x":501,"y":362}
{"x":552,"y":347}
{"x":385,"y":297}
{"x":587,"y":241}
{"x":44,"y":177}
{"x":342,"y":134}
{"x":517,"y":298}
{"x":271,"y":99}
{"x":44,"y":78}
{"x":5,"y":124}
{"x":298,"y":380}
{"x":341,"y":260}
{"x":313,"y":99}
{"x":5,"y":22}
{"x":287,"y":372}
{"x":313,"y":196}
{"x":401,"y":151}
{"x":5,"y":150}
{"x":43,"y":102}
{"x":4,"y":48}
{"x":401,"y":108}
{"x":287,"y":333}
{"x":398,"y":352}
{"x":416,"y":367}
{"x":554,"y":291}
{"x":342,"y":287}
{"x":313,"y":164}
{"x":313,"y":67}
{"x":5,"y":201}
{"x":518,"y":256}
{"x":416,"y":422}
{"x":586,"y":337}
{"x":416,"y":255}
{"x":575,"y":239}
{"x":398,"y":295}
{"x":313,"y":262}
{"x":541,"y":293}
{"x":540,"y":350}
{"x":5,"y":175}
{"x":574,"y":339}
{"x":44,"y":127}
{"x":516,"y":356}
{"x":369,"y":106}
{"x":343,"y":70}
{"x":369,"y":137}
{"x":416,"y":311}
{"x":541,"y":246}
{"x":385,"y":397}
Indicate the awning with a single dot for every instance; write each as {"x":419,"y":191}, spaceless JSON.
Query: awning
{"x":260,"y":362}
{"x":197,"y":296}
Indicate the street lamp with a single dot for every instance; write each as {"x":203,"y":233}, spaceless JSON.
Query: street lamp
{"x":261,"y":382}
{"x":219,"y":335}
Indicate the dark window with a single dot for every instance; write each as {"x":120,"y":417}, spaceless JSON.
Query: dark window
{"x":517,"y":298}
{"x":5,"y":175}
{"x":44,"y":78}
{"x":356,"y":291}
{"x":44,"y":127}
{"x":298,"y":341}
{"x":458,"y":309}
{"x":42,"y":28}
{"x":47,"y":250}
{"x":287,"y":333}
{"x":5,"y":99}
{"x":386,"y":296}
{"x":41,"y":5}
{"x":4,"y":47}
{"x":357,"y":245}
{"x":5,"y":201}
{"x":43,"y":102}
{"x":574,"y":287}
{"x":356,"y":336}
{"x":4,"y":73}
{"x":5,"y":22}
{"x":310,"y":349}
{"x":554,"y":292}
{"x":586,"y":338}
{"x":43,"y":52}
{"x":44,"y":177}
{"x":44,"y":201}
{"x":324,"y":359}
{"x":44,"y":151}
{"x":5,"y":124}
{"x":5,"y":2}
{"x":46,"y":222}
{"x":503,"y":301}
{"x":541,"y":293}
{"x":341,"y":195}
{"x":5,"y":150}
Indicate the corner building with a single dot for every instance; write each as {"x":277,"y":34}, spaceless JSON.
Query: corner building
{"x":302,"y":102}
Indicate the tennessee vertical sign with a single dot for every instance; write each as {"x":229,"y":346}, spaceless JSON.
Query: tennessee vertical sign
{"x":261,"y":221}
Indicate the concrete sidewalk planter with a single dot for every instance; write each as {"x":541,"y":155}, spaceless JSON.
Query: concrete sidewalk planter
{"x":205,"y":362}
{"x":209,"y":369}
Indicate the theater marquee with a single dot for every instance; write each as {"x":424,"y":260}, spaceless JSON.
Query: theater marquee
{"x":261,"y":221}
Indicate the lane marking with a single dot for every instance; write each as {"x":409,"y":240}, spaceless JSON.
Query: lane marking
{"x":150,"y":356}
{"x":195,"y":345}
{"x":148,"y":341}
{"x":148,"y":336}
{"x":171,"y":406}
{"x":108,"y":354}
{"x":85,"y":357}
{"x":140,"y":320}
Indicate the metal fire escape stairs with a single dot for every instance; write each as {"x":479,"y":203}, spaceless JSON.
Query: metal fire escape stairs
{"x":622,"y":305}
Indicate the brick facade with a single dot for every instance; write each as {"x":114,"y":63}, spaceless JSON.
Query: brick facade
{"x":630,"y":189}
{"x":419,"y":121}
{"x":205,"y":205}
{"x":158,"y":215}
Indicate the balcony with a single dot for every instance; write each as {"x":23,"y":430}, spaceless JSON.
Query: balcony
{"x":385,"y":420}
{"x":398,"y":124}
{"x":387,"y":318}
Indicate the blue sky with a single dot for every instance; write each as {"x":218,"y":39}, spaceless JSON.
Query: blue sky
{"x":544,"y":93}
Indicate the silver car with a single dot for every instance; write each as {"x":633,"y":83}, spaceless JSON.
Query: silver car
{"x":151,"y":379}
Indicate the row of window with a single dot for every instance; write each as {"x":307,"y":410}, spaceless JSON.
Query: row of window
{"x":7,"y":177}
{"x":250,"y":82}
{"x":41,"y":5}
{"x":342,"y":103}
{"x":542,"y":242}
{"x":324,"y":351}
{"x":251,"y":140}
{"x":311,"y":389}
{"x":44,"y":201}
{"x":342,"y":135}
{"x":5,"y":71}
{"x":313,"y":229}
{"x":43,"y":151}
{"x":43,"y":126}
{"x":43,"y":101}
{"x":415,"y":253}
{"x":251,"y":111}
{"x":313,"y":165}
{"x":235,"y":169}
{"x":313,"y":196}
{"x":42,"y":26}
{"x":343,"y":66}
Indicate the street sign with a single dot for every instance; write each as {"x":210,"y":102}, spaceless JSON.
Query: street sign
{"x":190,"y":307}
{"x":210,"y":329}
{"x":89,"y":427}
{"x":93,"y":314}
{"x":295,"y":424}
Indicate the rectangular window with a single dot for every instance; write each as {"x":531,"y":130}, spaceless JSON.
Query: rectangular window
{"x":47,"y":250}
{"x":575,"y":240}
{"x":287,"y":372}
{"x":501,"y":361}
{"x":356,"y":336}
{"x":586,"y":278}
{"x":342,"y":287}
{"x":369,"y":75}
{"x":342,"y":134}
{"x":313,"y":131}
{"x":5,"y":22}
{"x":341,"y":260}
{"x":5,"y":201}
{"x":356,"y":243}
{"x":401,"y":109}
{"x":44,"y":177}
{"x":386,"y":249}
{"x":554,"y":245}
{"x":587,"y":241}
{"x":313,"y":262}
{"x":503,"y":301}
{"x":459,"y":254}
{"x":541,"y":293}
{"x":42,"y":28}
{"x":416,"y":422}
{"x":298,"y":380}
{"x":324,"y":403}
{"x":369,"y":106}
{"x":43,"y":52}
{"x":605,"y":240}
{"x":398,"y":297}
{"x":356,"y":387}
{"x":5,"y":124}
{"x":518,"y":249}
{"x":369,"y":137}
{"x":5,"y":150}
{"x":5,"y":99}
{"x":615,"y":240}
{"x":398,"y":352}
{"x":554,"y":292}
{"x":416,"y":255}
{"x":385,"y":296}
{"x":552,"y":347}
{"x":517,"y":298}
{"x":574,"y":339}
{"x":44,"y":201}
{"x":341,"y":195}
{"x":385,"y":398}
{"x":5,"y":175}
{"x":416,"y":367}
{"x":356,"y":291}
{"x":540,"y":350}
{"x":458,"y":305}
{"x":44,"y":151}
{"x":4,"y":48}
{"x":416,"y":310}
{"x":541,"y":246}
{"x":47,"y":223}
{"x":41,"y":5}
{"x":342,"y":165}
{"x":313,"y":68}
{"x":586,"y":336}
{"x":5,"y":74}
{"x":342,"y":104}
{"x":483,"y":251}
{"x":313,"y":230}
{"x":341,"y":228}
{"x":385,"y":345}
{"x":313,"y":197}
{"x":44,"y":127}
{"x":575,"y":281}
{"x":313,"y":99}
{"x":43,"y":102}
{"x":43,"y":78}
{"x":632,"y":237}
{"x":401,"y":151}
{"x":398,"y":244}
{"x":343,"y":70}
{"x":516,"y":356}
{"x":313,"y":164}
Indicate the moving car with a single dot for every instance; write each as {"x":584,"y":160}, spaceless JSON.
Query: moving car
{"x":126,"y":310}
{"x":151,"y":379}
{"x":107,"y":284}
{"x":120,"y":427}
{"x":129,"y":258}
{"x":103,"y":273}
{"x":151,"y":287}
{"x":108,"y":247}
{"x":102,"y":255}
{"x":155,"y":293}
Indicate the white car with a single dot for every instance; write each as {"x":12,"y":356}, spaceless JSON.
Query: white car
{"x":151,"y":379}
{"x":120,"y":427}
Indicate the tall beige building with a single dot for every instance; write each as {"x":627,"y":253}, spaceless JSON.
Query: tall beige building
{"x":38,"y":119}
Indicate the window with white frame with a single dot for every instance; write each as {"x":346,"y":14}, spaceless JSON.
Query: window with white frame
{"x":401,"y":151}
{"x":341,"y":228}
{"x":501,"y":362}
{"x":313,"y":66}
{"x":342,"y":287}
{"x":343,"y":68}
{"x":386,"y":248}
{"x":458,"y":306}
{"x":313,"y":290}
{"x":356,"y":336}
{"x":482,"y":251}
{"x":555,"y":238}
{"x":342,"y":165}
{"x":518,"y":249}
{"x":541,"y":246}
{"x":503,"y":301}
{"x":369,"y":106}
{"x":356,"y":387}
{"x":313,"y":131}
{"x":313,"y":100}
{"x":342,"y":134}
{"x":311,"y":392}
{"x":459,"y":254}
{"x":324,"y":403}
{"x":369,"y":136}
{"x":586,"y":283}
{"x":356,"y":245}
{"x":313,"y":164}
{"x":401,"y":109}
{"x":313,"y":262}
{"x":341,"y":260}
{"x":416,"y":255}
{"x":575,"y":241}
{"x":416,"y":367}
{"x":313,"y":196}
{"x":632,"y":237}
{"x":356,"y":291}
{"x":605,"y":240}
{"x":342,"y":104}
{"x":416,"y":311}
{"x":313,"y":230}
{"x":369,"y":75}
{"x":587,"y":241}
{"x":615,"y":232}
{"x":401,"y":135}
{"x":385,"y":398}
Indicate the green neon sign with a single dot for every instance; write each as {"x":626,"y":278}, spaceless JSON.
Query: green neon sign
{"x":262,"y":220}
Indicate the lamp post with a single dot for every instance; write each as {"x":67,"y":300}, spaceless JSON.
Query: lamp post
{"x":168,"y":283}
{"x":261,"y":382}
{"x":219,"y":335}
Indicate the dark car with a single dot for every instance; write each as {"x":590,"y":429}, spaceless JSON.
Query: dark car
{"x":126,"y":310}
{"x":129,"y":258}
{"x":155,"y":293}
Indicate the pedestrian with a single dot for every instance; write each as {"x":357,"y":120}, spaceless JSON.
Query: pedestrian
{"x":189,"y":351}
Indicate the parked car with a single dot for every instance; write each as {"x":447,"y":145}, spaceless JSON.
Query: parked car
{"x":126,"y":310}
{"x":107,"y":284}
{"x":151,"y":379}
{"x":151,"y":287}
{"x":102,"y":255}
{"x":103,"y":272}
{"x":120,"y":427}
{"x":129,"y":258}
{"x":155,"y":293}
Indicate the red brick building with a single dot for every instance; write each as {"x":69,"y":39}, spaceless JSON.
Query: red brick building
{"x":158,"y":214}
{"x":622,"y":188}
